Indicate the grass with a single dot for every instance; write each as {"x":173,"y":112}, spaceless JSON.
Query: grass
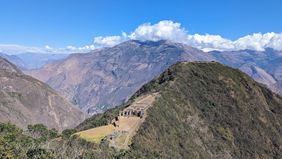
{"x":127,"y":126}
{"x":121,"y":140}
{"x":96,"y":134}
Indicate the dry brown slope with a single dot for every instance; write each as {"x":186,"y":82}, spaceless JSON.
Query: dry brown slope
{"x":25,"y":100}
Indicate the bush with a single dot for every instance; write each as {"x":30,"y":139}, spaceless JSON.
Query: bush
{"x":67,"y":133}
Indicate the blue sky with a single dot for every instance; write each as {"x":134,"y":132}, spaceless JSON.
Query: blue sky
{"x":59,"y":23}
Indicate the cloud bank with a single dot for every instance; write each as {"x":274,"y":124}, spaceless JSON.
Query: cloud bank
{"x":167,"y":30}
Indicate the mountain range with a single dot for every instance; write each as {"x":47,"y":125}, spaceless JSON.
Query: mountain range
{"x":200,"y":110}
{"x":104,"y":78}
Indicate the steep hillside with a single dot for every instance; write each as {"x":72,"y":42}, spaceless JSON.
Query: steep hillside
{"x":104,"y":78}
{"x":205,"y":110}
{"x":25,"y":100}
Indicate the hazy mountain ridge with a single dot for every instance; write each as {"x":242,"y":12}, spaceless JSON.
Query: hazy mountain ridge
{"x":27,"y":61}
{"x":25,"y":100}
{"x":5,"y":65}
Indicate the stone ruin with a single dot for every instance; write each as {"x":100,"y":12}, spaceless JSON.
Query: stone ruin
{"x":137,"y":109}
{"x":132,"y":112}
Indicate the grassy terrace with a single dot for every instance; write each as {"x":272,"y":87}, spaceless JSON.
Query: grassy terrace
{"x":96,"y":134}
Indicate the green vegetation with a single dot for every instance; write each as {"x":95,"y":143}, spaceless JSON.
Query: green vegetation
{"x":96,"y":134}
{"x":66,"y":134}
{"x":41,"y":133}
{"x":101,"y":119}
{"x":16,"y":143}
{"x":15,"y":94}
{"x":205,"y":110}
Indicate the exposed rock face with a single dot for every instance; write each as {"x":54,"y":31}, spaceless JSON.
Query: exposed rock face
{"x":25,"y":100}
{"x":104,"y":78}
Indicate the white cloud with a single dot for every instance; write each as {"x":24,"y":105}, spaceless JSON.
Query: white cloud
{"x":165,"y":30}
{"x":108,"y":40}
{"x":169,"y":30}
{"x":260,"y":41}
{"x":209,"y":42}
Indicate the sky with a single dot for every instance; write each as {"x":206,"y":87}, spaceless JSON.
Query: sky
{"x":72,"y":24}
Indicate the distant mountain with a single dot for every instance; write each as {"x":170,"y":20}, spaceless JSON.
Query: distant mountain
{"x":27,"y":61}
{"x":104,"y":78}
{"x":13,"y":59}
{"x":35,"y":61}
{"x":25,"y":100}
{"x":264,"y":66}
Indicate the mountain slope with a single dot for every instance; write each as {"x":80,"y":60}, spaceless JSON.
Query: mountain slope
{"x":205,"y":110}
{"x":25,"y":100}
{"x":104,"y":78}
{"x":202,"y":110}
{"x":263,"y":66}
{"x":13,"y":59}
{"x":5,"y":65}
